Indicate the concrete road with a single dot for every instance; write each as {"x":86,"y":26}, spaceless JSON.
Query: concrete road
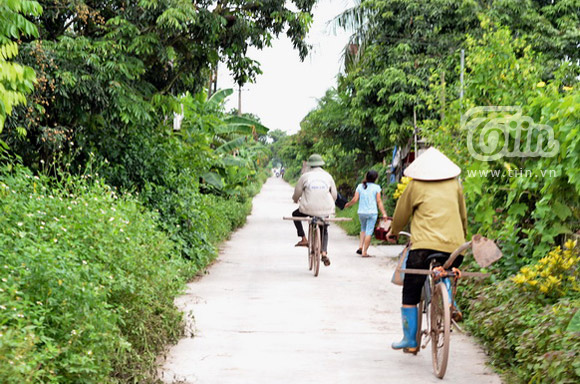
{"x":259,"y":316}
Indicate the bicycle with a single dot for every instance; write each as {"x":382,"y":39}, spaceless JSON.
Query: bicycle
{"x":436,"y":307}
{"x":315,"y":231}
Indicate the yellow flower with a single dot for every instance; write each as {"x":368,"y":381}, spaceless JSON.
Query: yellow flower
{"x":543,"y":288}
{"x":519,"y":279}
{"x":541,"y":84}
{"x":401,"y":187}
{"x":552,"y":280}
{"x":565,"y":88}
{"x":570,"y":244}
{"x":533,"y":283}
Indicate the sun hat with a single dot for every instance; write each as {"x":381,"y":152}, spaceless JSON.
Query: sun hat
{"x":315,"y":160}
{"x":432,"y":165}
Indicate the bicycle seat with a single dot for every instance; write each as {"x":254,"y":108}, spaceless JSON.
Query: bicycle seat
{"x":438,"y":257}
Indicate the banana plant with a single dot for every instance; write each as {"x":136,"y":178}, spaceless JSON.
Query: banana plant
{"x":226,"y":138}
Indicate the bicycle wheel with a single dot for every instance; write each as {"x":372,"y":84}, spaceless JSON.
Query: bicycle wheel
{"x":310,"y":248}
{"x":440,"y":329}
{"x":317,"y":246}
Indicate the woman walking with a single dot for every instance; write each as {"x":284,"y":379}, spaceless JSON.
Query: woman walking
{"x":369,"y":195}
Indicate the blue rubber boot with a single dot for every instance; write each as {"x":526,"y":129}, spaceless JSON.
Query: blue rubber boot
{"x":409,"y":316}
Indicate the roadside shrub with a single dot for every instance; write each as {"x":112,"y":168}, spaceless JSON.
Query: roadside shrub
{"x":525,"y":321}
{"x":555,"y":275}
{"x":199,"y":222}
{"x":352,"y":227}
{"x":87,"y":282}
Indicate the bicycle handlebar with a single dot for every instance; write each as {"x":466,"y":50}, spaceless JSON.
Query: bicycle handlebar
{"x":329,"y":219}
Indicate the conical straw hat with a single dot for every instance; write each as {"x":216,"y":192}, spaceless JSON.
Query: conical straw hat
{"x":432,"y":165}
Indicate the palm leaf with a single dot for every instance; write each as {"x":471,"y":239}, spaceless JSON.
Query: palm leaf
{"x":214,"y":179}
{"x":241,"y":120}
{"x":355,"y":20}
{"x":232,"y":145}
{"x":234,"y":161}
{"x":218,"y":98}
{"x":236,"y":128}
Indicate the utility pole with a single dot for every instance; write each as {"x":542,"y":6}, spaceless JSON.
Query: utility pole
{"x":239,"y":100}
{"x":442,"y":95}
{"x":415,"y":131}
{"x":461,"y":77}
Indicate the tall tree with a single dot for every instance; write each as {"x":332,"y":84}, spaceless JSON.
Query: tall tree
{"x":110,"y":68}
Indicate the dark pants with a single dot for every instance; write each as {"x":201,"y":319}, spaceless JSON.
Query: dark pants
{"x":300,"y":229}
{"x":413,"y":284}
{"x":298,"y":224}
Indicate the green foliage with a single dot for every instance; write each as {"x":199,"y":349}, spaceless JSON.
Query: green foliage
{"x":109,"y":70}
{"x":527,"y":212}
{"x":88,"y":282}
{"x":352,"y":227}
{"x":177,"y":172}
{"x":528,"y":332}
{"x":16,"y":80}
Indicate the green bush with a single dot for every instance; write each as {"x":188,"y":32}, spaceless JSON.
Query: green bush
{"x":87,"y":283}
{"x":528,"y":331}
{"x":196,"y":221}
{"x":352,"y":227}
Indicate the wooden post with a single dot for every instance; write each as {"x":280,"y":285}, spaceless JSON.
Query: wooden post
{"x":209,"y":84}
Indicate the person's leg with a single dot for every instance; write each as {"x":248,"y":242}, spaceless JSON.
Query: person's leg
{"x":300,"y":229}
{"x":366,"y":246}
{"x":324,"y":242}
{"x":369,"y":230}
{"x":361,"y":242}
{"x":412,"y":285}
{"x":363,"y":224}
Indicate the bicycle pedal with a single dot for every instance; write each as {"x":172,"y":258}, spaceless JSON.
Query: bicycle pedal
{"x":411,"y":350}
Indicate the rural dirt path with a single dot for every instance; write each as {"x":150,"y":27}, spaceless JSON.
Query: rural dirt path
{"x":259,"y":316}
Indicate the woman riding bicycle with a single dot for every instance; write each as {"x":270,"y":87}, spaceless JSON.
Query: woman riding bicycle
{"x":317,"y":194}
{"x":434,"y":200}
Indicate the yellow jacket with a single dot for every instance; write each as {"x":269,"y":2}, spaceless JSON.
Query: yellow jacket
{"x":439,"y":217}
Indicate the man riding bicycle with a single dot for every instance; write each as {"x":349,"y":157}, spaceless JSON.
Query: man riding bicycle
{"x":434,"y":199}
{"x":316,"y":192}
